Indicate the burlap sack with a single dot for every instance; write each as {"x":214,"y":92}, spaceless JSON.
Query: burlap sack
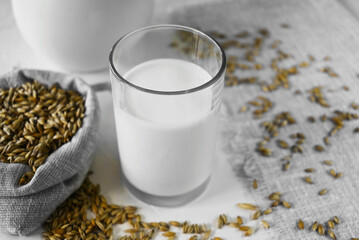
{"x":25,"y":208}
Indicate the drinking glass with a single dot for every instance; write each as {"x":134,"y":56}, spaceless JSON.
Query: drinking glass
{"x":167,"y":122}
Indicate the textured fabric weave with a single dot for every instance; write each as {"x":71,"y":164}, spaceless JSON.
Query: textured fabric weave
{"x":25,"y":208}
{"x":318,"y":28}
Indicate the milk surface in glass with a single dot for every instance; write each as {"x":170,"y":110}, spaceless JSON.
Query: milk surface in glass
{"x":166,"y":142}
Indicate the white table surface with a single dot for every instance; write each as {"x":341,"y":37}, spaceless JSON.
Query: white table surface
{"x":225,"y":188}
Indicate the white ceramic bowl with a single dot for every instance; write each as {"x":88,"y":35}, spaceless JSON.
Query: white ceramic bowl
{"x":77,"y":35}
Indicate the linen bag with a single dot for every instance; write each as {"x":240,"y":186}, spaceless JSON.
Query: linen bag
{"x":25,"y":208}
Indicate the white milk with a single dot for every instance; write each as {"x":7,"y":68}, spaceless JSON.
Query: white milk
{"x":166,"y":142}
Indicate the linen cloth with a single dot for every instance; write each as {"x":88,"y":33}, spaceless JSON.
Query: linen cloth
{"x":25,"y":208}
{"x":318,"y":28}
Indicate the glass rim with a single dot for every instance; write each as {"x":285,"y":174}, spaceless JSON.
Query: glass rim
{"x":208,"y":83}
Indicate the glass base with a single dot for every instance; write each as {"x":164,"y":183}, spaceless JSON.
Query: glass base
{"x":170,"y":201}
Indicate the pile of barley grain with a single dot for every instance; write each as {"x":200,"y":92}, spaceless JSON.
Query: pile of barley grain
{"x":72,"y":220}
{"x":35,"y":121}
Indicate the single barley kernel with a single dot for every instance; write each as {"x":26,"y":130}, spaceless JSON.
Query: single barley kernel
{"x":300,"y":141}
{"x":247,"y":206}
{"x":330,"y":223}
{"x":220,"y":222}
{"x":265,"y":224}
{"x":243,"y":109}
{"x":249,"y":232}
{"x":234,"y":225}
{"x":175,"y":223}
{"x":254,"y":184}
{"x":268,"y":211}
{"x":332,"y":172}
{"x":315,"y":226}
{"x":239,"y":220}
{"x":265,"y":152}
{"x":308,"y":180}
{"x":339,"y":175}
{"x":326,"y":58}
{"x":323,"y":192}
{"x":331,"y":234}
{"x":303,"y":64}
{"x":318,"y":148}
{"x":244,"y":228}
{"x":275,"y":196}
{"x":264,"y":32}
{"x":311,"y":119}
{"x":275,"y":203}
{"x":326,"y":140}
{"x":286,"y":204}
{"x":224,"y":217}
{"x":320,"y":229}
{"x":300,"y":224}
{"x":282,"y":144}
{"x":242,"y":34}
{"x":286,"y":166}
{"x":207,"y":235}
{"x":328,"y":162}
{"x":256,"y":215}
{"x":336,"y":220}
{"x":257,"y":66}
{"x":169,"y":234}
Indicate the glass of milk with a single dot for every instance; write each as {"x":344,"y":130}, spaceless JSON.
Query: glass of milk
{"x":167,"y":83}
